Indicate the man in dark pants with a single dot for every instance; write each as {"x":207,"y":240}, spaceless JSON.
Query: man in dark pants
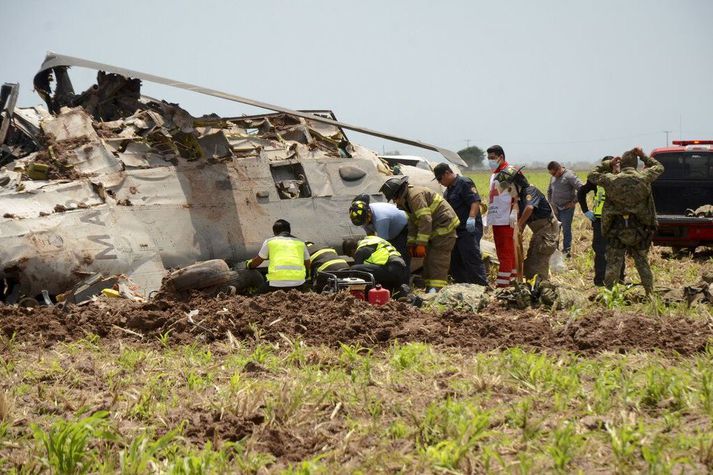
{"x":466,"y":261}
{"x":324,"y":259}
{"x":561,"y":194}
{"x":378,"y":257}
{"x":599,"y":241}
{"x":288,"y":259}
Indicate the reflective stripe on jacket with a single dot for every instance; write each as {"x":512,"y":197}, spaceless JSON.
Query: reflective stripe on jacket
{"x":429,"y":215}
{"x":384,"y":250}
{"x":324,"y":258}
{"x":287,"y":257}
{"x":599,"y":198}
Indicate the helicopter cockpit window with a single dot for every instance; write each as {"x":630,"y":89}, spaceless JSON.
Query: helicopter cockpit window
{"x":290,"y":181}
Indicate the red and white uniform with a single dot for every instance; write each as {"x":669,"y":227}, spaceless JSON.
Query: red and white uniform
{"x":499,"y":209}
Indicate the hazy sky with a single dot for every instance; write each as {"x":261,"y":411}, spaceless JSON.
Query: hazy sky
{"x":559,"y":79}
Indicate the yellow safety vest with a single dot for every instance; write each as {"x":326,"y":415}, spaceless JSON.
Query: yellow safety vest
{"x":287,"y":259}
{"x":599,"y":198}
{"x":383,"y":251}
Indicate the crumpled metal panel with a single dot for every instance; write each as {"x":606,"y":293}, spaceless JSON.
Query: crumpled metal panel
{"x":54,"y":61}
{"x":70,"y":124}
{"x":54,"y":252}
{"x":47,"y":198}
{"x":94,"y":158}
{"x":148,"y":187}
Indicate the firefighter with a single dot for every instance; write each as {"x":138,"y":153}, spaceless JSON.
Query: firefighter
{"x":288,"y":258}
{"x":384,"y":220}
{"x":432,"y":227}
{"x":323,"y":259}
{"x":378,"y":257}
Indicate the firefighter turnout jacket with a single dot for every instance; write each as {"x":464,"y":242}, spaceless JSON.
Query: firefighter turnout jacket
{"x":429,"y":215}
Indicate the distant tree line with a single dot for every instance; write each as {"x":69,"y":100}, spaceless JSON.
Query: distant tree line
{"x":473,"y":156}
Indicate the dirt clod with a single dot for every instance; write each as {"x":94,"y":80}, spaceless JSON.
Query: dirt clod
{"x":333,"y":319}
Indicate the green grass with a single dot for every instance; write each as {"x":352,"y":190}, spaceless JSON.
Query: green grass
{"x":255,"y":406}
{"x":411,"y":407}
{"x":539,"y":178}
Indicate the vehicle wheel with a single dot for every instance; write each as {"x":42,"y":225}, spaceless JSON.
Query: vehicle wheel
{"x":200,"y":275}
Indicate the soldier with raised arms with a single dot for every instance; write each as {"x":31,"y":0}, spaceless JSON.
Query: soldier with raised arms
{"x":628,"y":214}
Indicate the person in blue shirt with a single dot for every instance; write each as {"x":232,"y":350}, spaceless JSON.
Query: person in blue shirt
{"x":466,"y":261}
{"x":384,"y":220}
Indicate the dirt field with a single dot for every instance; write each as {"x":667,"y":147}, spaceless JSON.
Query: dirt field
{"x":341,"y":319}
{"x":295,"y":383}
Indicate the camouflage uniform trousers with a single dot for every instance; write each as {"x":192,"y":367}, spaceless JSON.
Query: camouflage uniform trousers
{"x":615,"y":265}
{"x":438,"y":261}
{"x":545,"y":233}
{"x":629,"y":236}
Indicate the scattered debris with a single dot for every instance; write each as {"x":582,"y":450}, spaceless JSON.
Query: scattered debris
{"x":88,"y":288}
{"x":108,"y":181}
{"x":459,"y":297}
{"x":699,"y":293}
{"x":705,"y":211}
{"x":539,"y":294}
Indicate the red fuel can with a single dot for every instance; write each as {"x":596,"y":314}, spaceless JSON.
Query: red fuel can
{"x":379,"y":295}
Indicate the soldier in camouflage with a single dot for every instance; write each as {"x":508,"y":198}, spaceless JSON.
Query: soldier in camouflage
{"x":628,"y":215}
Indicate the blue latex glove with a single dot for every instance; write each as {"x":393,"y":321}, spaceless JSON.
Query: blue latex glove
{"x":590,"y":215}
{"x":470,"y":225}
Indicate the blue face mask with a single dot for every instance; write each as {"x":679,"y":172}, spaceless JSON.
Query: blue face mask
{"x":493,"y":164}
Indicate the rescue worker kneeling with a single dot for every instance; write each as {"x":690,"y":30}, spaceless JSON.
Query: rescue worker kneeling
{"x":288,"y":259}
{"x":323,"y":259}
{"x":378,"y":257}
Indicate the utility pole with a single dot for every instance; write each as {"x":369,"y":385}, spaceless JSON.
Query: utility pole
{"x":667,"y":132}
{"x":467,"y":143}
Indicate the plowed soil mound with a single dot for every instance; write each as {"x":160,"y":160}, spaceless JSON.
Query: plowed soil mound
{"x":329,"y":320}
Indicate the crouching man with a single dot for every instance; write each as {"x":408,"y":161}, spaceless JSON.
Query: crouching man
{"x":378,"y":257}
{"x":324,"y":259}
{"x":288,"y":259}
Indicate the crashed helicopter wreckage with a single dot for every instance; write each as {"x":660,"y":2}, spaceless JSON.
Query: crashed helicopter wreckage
{"x":111,"y":182}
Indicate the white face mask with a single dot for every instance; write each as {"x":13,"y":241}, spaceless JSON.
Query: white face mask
{"x":493,"y":164}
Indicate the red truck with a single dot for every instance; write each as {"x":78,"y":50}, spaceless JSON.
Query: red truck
{"x":686,"y":184}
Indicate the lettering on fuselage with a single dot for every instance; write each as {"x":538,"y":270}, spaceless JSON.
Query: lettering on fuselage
{"x":102,"y":239}
{"x":92,"y":218}
{"x":108,"y":246}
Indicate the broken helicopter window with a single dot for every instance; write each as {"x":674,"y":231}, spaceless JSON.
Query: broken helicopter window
{"x":290,"y":181}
